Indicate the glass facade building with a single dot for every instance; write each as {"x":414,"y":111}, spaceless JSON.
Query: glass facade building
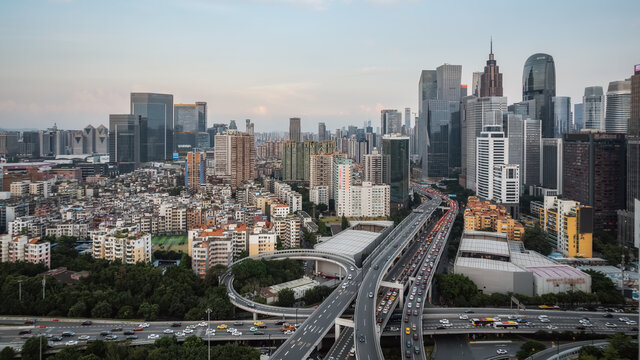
{"x":125,"y":134}
{"x":157,"y":144}
{"x":593,"y":108}
{"x":539,"y":84}
{"x":618,"y":107}
{"x":397,"y":175}
{"x":562,"y":116}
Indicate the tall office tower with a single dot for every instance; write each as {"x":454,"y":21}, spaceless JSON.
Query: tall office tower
{"x":296,"y":157}
{"x":9,"y":143}
{"x":102,"y":140}
{"x":77,"y":143}
{"x":525,"y":108}
{"x":492,"y":149}
{"x":506,"y":187}
{"x":235,"y":157}
{"x":593,"y":110}
{"x":593,"y":174}
{"x":407,"y":120}
{"x":201,"y":107}
{"x":195,"y":170}
{"x":539,"y":84}
{"x":618,"y":107}
{"x":532,"y":156}
{"x":125,"y":132}
{"x":443,"y":156}
{"x":427,"y":90}
{"x":294,"y":130}
{"x":215,"y":130}
{"x":187,"y":124}
{"x":578,"y":121}
{"x":562,"y":116}
{"x":250,"y":127}
{"x":463,"y":90}
{"x":491,"y":80}
{"x":552,"y":164}
{"x":29,"y":146}
{"x":88,"y":140}
{"x":396,"y":147}
{"x":449,"y":78}
{"x":627,"y":219}
{"x":390,"y":121}
{"x":322,"y":131}
{"x":232,"y":125}
{"x":342,"y":178}
{"x":476,"y":83}
{"x":157,"y":144}
{"x":247,"y":122}
{"x":374,"y":167}
{"x":513,"y":127}
{"x":478,"y":112}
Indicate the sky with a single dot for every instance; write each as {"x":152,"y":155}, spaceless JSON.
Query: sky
{"x":74,"y":62}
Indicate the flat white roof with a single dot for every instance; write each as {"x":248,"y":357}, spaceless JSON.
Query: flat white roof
{"x":531,"y":259}
{"x":348,"y":242}
{"x":487,"y":264}
{"x":485,"y":246}
{"x":555,"y":272}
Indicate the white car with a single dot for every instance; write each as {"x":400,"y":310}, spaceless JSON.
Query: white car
{"x":71,"y":343}
{"x":545,"y":320}
{"x":180,"y":334}
{"x":188,"y":331}
{"x":463,"y":317}
{"x":168,"y":331}
{"x":84,"y":337}
{"x":144,"y":325}
{"x":501,"y":351}
{"x":153,"y":336}
{"x":444,"y":321}
{"x":237,"y":333}
{"x":202,"y":324}
{"x":610,"y":325}
{"x":288,"y":332}
{"x":631,"y":322}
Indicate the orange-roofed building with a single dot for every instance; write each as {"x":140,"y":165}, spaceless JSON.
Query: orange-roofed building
{"x":484,"y":215}
{"x":21,"y":248}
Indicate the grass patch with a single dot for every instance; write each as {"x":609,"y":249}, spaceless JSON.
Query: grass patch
{"x":178,"y":243}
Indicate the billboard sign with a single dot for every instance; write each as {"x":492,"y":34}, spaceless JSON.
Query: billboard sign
{"x":175,"y":155}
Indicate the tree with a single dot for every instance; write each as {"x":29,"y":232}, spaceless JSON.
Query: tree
{"x":126,"y":312}
{"x":78,"y":309}
{"x":176,"y":191}
{"x":7,"y":353}
{"x":102,"y":310}
{"x":148,"y":311}
{"x":211,"y":278}
{"x":529,"y":348}
{"x":193,"y":341}
{"x":604,"y":288}
{"x":456,"y":289}
{"x":322,"y":228}
{"x":590,"y":352}
{"x":32,"y":347}
{"x":286,"y":298}
{"x":416,"y":200}
{"x":322,"y":208}
{"x":345,"y":222}
{"x":536,"y":239}
{"x":243,"y":254}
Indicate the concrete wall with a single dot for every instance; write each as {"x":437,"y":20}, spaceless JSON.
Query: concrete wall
{"x":496,"y":281}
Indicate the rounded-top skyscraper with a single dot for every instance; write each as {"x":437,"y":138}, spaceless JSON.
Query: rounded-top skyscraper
{"x":539,"y":84}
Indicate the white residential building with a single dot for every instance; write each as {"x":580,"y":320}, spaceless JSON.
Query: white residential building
{"x":126,"y":244}
{"x":319,"y":195}
{"x":22,"y":248}
{"x":492,"y":149}
{"x":365,"y":200}
{"x":506,"y":184}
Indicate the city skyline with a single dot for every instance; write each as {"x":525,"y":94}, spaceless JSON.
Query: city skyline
{"x":246,"y":64}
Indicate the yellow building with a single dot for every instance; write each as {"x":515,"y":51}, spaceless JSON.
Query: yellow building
{"x":483,"y":215}
{"x":262,"y":238}
{"x":569,"y":226}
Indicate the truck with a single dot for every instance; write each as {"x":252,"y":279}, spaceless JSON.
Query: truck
{"x":286,"y":327}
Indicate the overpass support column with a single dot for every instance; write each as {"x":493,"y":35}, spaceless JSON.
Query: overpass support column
{"x":401,"y":300}
{"x":337,"y":330}
{"x":255,"y":316}
{"x":429,"y":296}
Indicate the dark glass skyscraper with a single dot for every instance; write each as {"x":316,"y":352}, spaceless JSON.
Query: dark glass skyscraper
{"x":157,"y":144}
{"x":125,"y":134}
{"x":397,"y":176}
{"x":539,"y":84}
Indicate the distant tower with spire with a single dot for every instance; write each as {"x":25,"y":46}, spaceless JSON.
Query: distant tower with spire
{"x":491,"y":80}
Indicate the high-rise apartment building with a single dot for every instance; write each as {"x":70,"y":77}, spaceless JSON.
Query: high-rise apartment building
{"x":342,"y":178}
{"x":296,"y":157}
{"x":374,"y":166}
{"x":492,"y":149}
{"x":125,"y":134}
{"x":427,"y":90}
{"x":21,"y":248}
{"x":126,"y":244}
{"x":562,"y":116}
{"x":407,"y":120}
{"x":396,"y":147}
{"x":322,"y":131}
{"x":390,"y":121}
{"x":569,"y":226}
{"x":539,"y":84}
{"x":491,"y":79}
{"x":364,"y":200}
{"x":157,"y":142}
{"x":618,"y":109}
{"x":593,"y":174}
{"x":235,"y":157}
{"x":476,"y":83}
{"x":593,"y":108}
{"x":321,"y":171}
{"x":506,"y":187}
{"x":532,"y":152}
{"x":195,"y":170}
{"x":295,"y":133}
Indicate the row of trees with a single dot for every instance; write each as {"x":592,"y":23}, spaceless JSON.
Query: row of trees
{"x":166,"y":348}
{"x":112,"y":290}
{"x":458,"y":290}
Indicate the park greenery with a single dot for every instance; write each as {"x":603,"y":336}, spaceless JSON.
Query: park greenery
{"x":529,"y":348}
{"x":458,"y":290}
{"x":605,"y":244}
{"x":536,"y":239}
{"x":251,"y":275}
{"x":166,"y":348}
{"x":620,"y":347}
{"x":112,"y":289}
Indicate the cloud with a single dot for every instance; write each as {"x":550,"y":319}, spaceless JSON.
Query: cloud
{"x":259,"y":110}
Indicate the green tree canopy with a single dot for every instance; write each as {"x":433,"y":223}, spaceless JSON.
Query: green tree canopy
{"x":286,"y":298}
{"x":536,"y":239}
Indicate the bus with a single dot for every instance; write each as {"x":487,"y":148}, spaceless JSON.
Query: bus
{"x":506,"y":325}
{"x":482,"y":322}
{"x":549,"y":307}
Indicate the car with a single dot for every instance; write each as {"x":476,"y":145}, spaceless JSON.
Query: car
{"x":202,"y":324}
{"x":238,"y":323}
{"x":188,"y":331}
{"x":407,"y":330}
{"x":180,"y":334}
{"x":55,"y":320}
{"x":463,"y":317}
{"x":444,"y":321}
{"x":71,"y":343}
{"x":253,"y":328}
{"x":236,"y":333}
{"x":552,"y":327}
{"x":22,"y":332}
{"x":105,"y":333}
{"x":351,"y":268}
{"x":138,"y":328}
{"x":607,"y":315}
{"x":221,"y":327}
{"x":409,"y":343}
{"x":413,"y":327}
{"x":631,"y":322}
{"x":153,"y":336}
{"x":29,"y":322}
{"x":280,"y":322}
{"x":168,"y":331}
{"x":87,"y":323}
{"x":144,"y":325}
{"x":117,"y":329}
{"x":407,"y":353}
{"x":68,"y":334}
{"x":128,"y":332}
{"x":111,"y":337}
{"x":468,"y":312}
{"x":416,"y":349}
{"x":406,"y":319}
{"x":361,"y":338}
{"x":56,"y":338}
{"x":84,"y":337}
{"x":415,"y":312}
{"x":258,"y":333}
{"x":131,"y":337}
{"x":610,"y":325}
{"x":623,"y":319}
{"x":501,"y":351}
{"x":176,"y":324}
{"x":440,"y":327}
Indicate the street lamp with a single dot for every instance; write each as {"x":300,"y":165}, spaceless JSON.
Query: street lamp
{"x":20,"y":290}
{"x":208,"y":333}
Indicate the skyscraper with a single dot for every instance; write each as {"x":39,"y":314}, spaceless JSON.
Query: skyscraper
{"x":427,"y":90}
{"x":578,"y":121}
{"x":235,"y":157}
{"x":397,"y":176}
{"x":322,"y":131}
{"x":194,"y":170}
{"x":618,"y":107}
{"x":157,"y":144}
{"x":449,"y":78}
{"x":491,"y":79}
{"x":532,"y":152}
{"x":125,"y":132}
{"x":295,"y":157}
{"x":513,"y":127}
{"x":552,"y":164}
{"x":374,"y":167}
{"x":189,"y":123}
{"x":492,"y":149}
{"x":562,"y":116}
{"x":390,"y":121}
{"x":476,"y":83}
{"x":593,"y":174}
{"x":232,"y":125}
{"x":407,"y":120}
{"x":294,"y":130}
{"x":593,"y":108}
{"x":539,"y":84}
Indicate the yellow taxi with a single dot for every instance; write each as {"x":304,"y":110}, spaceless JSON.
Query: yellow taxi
{"x":407,"y":331}
{"x":222,"y":327}
{"x":258,"y":323}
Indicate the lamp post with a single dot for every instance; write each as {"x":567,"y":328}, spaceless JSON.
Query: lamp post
{"x":20,"y":290}
{"x":208,"y":333}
